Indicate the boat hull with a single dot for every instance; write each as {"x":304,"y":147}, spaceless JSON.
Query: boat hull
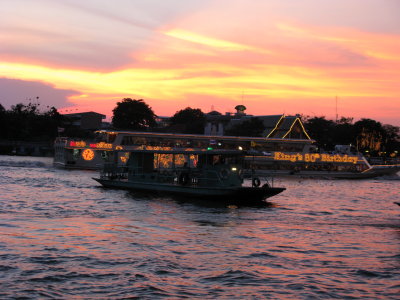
{"x":69,"y":166}
{"x":243,"y":195}
{"x":370,"y":173}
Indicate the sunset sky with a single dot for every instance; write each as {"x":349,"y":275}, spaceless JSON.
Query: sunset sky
{"x":273,"y":56}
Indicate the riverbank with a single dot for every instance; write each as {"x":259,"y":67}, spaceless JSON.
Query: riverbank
{"x":27,"y":148}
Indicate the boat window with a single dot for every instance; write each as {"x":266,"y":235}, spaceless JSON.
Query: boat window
{"x":127,"y":140}
{"x":100,"y":137}
{"x":233,"y":160}
{"x":180,"y":160}
{"x":163,"y":161}
{"x":217,"y":160}
{"x":167,"y":161}
{"x":132,"y":140}
{"x":111,"y":137}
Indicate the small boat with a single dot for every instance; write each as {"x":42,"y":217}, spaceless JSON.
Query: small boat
{"x":210,"y":174}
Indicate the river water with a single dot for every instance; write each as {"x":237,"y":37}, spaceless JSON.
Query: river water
{"x":62,"y":236}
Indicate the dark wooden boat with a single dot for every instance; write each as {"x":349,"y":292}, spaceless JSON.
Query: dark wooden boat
{"x":208,"y":174}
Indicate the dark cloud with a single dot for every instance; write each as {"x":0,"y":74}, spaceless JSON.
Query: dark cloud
{"x":18,"y":91}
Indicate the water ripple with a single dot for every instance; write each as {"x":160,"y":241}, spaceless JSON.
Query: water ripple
{"x":63,"y":237}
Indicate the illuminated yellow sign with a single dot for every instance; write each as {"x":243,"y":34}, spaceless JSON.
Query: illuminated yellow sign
{"x":315,"y":157}
{"x":88,"y":154}
{"x":101,"y":145}
{"x":155,"y":148}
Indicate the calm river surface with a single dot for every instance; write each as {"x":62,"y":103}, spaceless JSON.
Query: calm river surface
{"x":62,"y":236}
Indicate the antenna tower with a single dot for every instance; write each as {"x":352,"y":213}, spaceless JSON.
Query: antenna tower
{"x":336,"y":98}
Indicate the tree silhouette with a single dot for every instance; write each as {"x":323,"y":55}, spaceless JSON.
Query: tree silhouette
{"x":392,"y":138}
{"x":29,"y":122}
{"x":132,"y":114}
{"x":321,"y":130}
{"x":3,"y":122}
{"x":188,"y":120}
{"x":366,"y":135}
{"x":344,"y":132}
{"x":252,"y":127}
{"x":370,"y":135}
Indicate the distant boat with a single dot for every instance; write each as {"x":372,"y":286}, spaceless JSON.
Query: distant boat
{"x":207,"y":174}
{"x":318,"y":165}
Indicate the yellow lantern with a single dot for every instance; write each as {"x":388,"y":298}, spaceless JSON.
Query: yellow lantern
{"x":88,"y":154}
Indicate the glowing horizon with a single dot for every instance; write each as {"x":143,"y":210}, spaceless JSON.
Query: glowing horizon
{"x":272,"y":63}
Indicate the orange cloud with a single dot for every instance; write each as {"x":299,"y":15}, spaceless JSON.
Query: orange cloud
{"x":211,"y":42}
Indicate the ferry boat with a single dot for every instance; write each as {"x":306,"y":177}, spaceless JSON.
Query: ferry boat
{"x":202,"y":173}
{"x":268,"y":156}
{"x":73,"y":153}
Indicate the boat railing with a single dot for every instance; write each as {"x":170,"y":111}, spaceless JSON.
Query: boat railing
{"x":179,"y":176}
{"x":110,"y":171}
{"x":264,"y":180}
{"x":382,"y":161}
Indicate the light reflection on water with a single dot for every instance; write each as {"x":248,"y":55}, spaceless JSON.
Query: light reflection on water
{"x":62,"y":236}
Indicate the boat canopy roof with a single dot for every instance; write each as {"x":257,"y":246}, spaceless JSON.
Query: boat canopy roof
{"x":188,"y":151}
{"x":149,"y":134}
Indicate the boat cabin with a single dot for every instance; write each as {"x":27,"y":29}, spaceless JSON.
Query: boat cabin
{"x":186,"y":167}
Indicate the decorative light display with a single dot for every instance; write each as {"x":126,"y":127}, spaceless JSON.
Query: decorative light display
{"x":304,"y":130}
{"x":290,"y":129}
{"x":146,"y":147}
{"x":276,"y":126}
{"x":88,"y":154}
{"x":80,"y":144}
{"x":101,"y":145}
{"x":168,"y":160}
{"x":124,"y":158}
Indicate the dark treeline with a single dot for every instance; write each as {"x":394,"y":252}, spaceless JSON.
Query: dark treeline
{"x":365,"y":135}
{"x":29,"y":123}
{"x":131,"y":114}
